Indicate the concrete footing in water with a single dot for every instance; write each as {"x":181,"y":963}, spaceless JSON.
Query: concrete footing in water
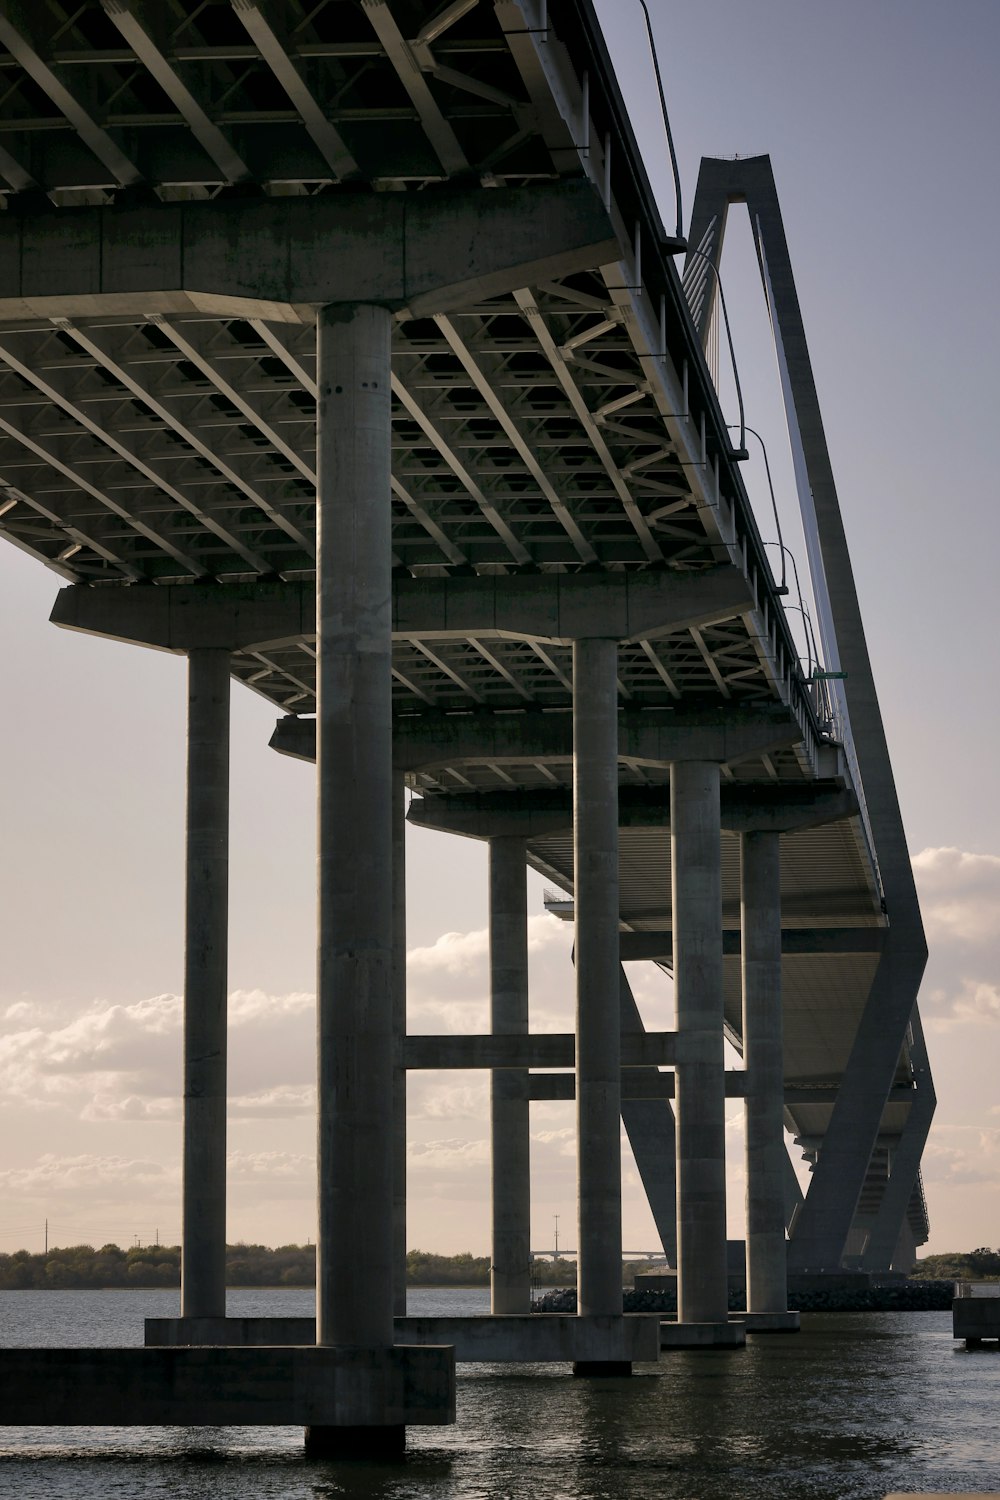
{"x":702,"y":1335}
{"x":975,"y":1319}
{"x":772,"y":1322}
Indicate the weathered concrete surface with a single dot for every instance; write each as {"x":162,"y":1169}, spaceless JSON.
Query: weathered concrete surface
{"x":533,"y":813}
{"x":206,"y":962}
{"x":563,"y":607}
{"x":658,"y":946}
{"x":540,"y":1337}
{"x":554,"y":608}
{"x":776,"y":1322}
{"x":650,"y":737}
{"x":208,"y":1387}
{"x":283,"y":258}
{"x":700,"y":1100}
{"x":532,"y":1338}
{"x":637,"y":1084}
{"x":975,"y":1318}
{"x":355,"y":981}
{"x":647,"y":1049}
{"x":242,"y":1333}
{"x":179,"y":617}
{"x":702,"y":1335}
{"x":766,"y":1268}
{"x":510,"y":1134}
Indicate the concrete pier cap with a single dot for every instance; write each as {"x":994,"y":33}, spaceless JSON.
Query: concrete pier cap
{"x":529,"y":1338}
{"x":344,"y":1397}
{"x":728,"y":1335}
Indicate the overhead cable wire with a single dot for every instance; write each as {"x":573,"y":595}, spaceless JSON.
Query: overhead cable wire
{"x":783,"y":585}
{"x":666,"y":122}
{"x":729,"y":339}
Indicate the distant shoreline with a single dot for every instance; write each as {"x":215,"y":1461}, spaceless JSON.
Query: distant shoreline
{"x":411,"y":1286}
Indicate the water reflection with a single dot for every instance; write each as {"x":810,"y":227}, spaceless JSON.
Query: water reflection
{"x":855,"y":1406}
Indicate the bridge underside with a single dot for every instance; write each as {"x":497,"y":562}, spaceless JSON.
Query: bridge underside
{"x":342,"y":350}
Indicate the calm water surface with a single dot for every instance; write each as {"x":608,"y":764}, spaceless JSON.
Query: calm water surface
{"x":856,"y":1405}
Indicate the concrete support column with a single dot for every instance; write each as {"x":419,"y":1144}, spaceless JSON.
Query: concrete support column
{"x":355,"y":989}
{"x":510,"y":1275}
{"x":203,"y":1249}
{"x":598,"y":1012}
{"x":700,"y":1102}
{"x":760,"y":866}
{"x":399,"y":1041}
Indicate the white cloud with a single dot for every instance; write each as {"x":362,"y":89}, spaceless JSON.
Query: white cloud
{"x":972,"y":1002}
{"x":91,"y":1178}
{"x":110,"y":1106}
{"x":430,"y":1097}
{"x":448,"y":982}
{"x":962,"y":1156}
{"x":270,"y":1166}
{"x":960,"y":899}
{"x":254,"y":1008}
{"x":283,"y":1102}
{"x":959,"y":895}
{"x":123,"y":1062}
{"x":454,"y":1154}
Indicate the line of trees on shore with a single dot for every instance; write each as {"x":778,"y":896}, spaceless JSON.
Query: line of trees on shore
{"x":968,"y":1265}
{"x":76,"y":1267}
{"x":82,"y":1267}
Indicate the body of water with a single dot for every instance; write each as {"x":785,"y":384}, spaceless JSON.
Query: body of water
{"x":856,"y":1405}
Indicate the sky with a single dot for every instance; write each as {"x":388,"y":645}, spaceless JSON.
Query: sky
{"x":881,"y":118}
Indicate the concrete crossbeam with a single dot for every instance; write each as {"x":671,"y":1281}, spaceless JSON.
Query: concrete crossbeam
{"x":649,"y":1049}
{"x":247,"y":1387}
{"x":283,"y":258}
{"x":534,"y":814}
{"x":181,"y":617}
{"x":651,"y":737}
{"x":637,"y":1083}
{"x":555,"y":608}
{"x":532,"y":1338}
{"x":563,"y":607}
{"x":658,"y":946}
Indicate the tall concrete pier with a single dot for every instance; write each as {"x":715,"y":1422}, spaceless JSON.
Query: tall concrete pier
{"x":760,"y":874}
{"x":421,"y":444}
{"x":598,"y":1025}
{"x":206,"y":964}
{"x":355,"y":991}
{"x":696,"y":870}
{"x":510,"y":1275}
